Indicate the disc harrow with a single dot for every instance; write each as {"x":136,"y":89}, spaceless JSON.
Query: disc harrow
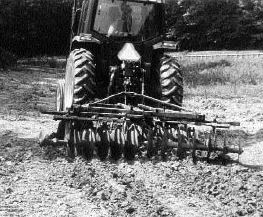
{"x":106,"y":129}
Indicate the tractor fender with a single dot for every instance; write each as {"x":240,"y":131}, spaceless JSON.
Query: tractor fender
{"x":85,"y":38}
{"x":167,"y":46}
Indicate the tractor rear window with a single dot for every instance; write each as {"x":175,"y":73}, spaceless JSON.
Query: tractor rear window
{"x":122,"y":18}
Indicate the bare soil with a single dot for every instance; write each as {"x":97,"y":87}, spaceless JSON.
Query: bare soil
{"x":42,"y":181}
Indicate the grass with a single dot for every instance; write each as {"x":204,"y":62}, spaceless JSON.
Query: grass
{"x":58,"y":62}
{"x":222,"y":76}
{"x":229,"y":91}
{"x":55,"y":62}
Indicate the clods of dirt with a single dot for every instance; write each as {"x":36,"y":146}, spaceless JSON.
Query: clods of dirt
{"x":42,"y":181}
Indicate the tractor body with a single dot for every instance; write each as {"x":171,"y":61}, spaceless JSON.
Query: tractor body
{"x":122,"y":95}
{"x":126,"y":39}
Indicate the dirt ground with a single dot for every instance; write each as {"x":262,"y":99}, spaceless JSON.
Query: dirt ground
{"x":42,"y":181}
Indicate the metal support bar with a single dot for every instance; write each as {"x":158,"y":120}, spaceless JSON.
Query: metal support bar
{"x":133,"y":94}
{"x":107,"y":119}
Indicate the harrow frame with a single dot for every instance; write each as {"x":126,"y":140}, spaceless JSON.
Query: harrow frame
{"x":157,"y":129}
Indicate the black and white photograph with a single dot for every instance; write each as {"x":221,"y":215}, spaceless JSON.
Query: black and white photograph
{"x":131,"y":108}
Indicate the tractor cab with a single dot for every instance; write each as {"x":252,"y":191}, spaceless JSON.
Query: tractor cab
{"x":130,"y":20}
{"x":127,"y":19}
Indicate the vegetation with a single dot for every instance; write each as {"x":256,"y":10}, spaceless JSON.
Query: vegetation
{"x":221,"y":76}
{"x":221,"y":70}
{"x":37,"y":27}
{"x":216,"y":24}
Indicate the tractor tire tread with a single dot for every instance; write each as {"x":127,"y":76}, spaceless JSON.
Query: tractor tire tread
{"x":171,"y":80}
{"x":84,"y":72}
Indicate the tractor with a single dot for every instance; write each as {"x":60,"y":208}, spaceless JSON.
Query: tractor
{"x":122,"y":93}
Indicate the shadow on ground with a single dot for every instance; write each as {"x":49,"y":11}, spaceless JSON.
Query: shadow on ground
{"x":16,"y":149}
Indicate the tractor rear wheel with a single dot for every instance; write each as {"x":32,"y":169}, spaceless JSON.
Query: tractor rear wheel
{"x":171,"y":80}
{"x":80,"y":88}
{"x":80,"y":85}
{"x":60,"y":95}
{"x":60,"y":134}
